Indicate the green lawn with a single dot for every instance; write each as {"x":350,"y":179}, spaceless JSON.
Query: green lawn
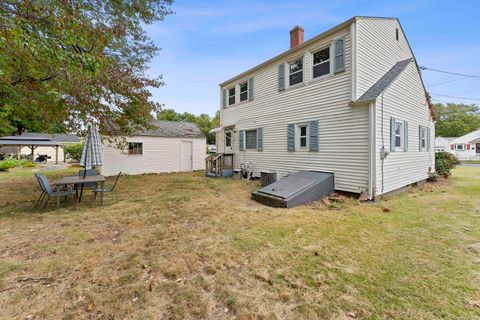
{"x":181,"y":246}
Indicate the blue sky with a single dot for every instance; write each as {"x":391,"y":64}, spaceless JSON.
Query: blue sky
{"x":208,"y":42}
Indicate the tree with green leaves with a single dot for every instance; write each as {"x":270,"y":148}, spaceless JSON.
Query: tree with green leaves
{"x":203,"y":121}
{"x":65,"y":64}
{"x":455,"y":120}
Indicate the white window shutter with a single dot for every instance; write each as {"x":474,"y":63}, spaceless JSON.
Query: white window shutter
{"x":392,"y":134}
{"x":405,"y":136}
{"x":225,"y":98}
{"x":281,"y":77}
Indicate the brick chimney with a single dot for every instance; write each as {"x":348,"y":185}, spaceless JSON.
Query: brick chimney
{"x":296,"y":36}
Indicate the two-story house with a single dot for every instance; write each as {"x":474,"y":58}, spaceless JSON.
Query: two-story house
{"x":350,"y":101}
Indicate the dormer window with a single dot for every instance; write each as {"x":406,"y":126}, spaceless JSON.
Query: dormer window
{"x":321,"y":63}
{"x":231,"y":96}
{"x":296,"y":72}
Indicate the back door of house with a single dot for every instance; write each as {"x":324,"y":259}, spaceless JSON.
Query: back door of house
{"x":186,"y":155}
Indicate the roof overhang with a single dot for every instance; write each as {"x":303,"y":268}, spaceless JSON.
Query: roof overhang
{"x":25,"y":143}
{"x":218,"y":129}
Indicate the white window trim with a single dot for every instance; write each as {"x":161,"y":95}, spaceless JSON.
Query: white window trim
{"x":229,"y":96}
{"x":332,"y":52}
{"x":245,"y":140}
{"x":460,"y":144}
{"x":297,"y":134}
{"x":135,"y":154}
{"x":424,"y":136}
{"x":240,"y":92}
{"x":402,"y":135}
{"x":287,"y":73}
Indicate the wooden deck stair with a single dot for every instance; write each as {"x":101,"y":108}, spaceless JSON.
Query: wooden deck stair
{"x":219,"y":165}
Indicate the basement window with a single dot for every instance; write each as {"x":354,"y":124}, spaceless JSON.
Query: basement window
{"x":231,"y":96}
{"x":296,"y":72}
{"x":135,"y":148}
{"x":321,"y":63}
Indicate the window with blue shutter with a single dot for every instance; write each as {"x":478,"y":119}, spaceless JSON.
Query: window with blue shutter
{"x":291,"y":137}
{"x":281,"y":77}
{"x":250,"y":88}
{"x":405,"y":136}
{"x":339,"y":55}
{"x":241,"y":136}
{"x":313,"y":125}
{"x":392,"y":133}
{"x":260,"y":139}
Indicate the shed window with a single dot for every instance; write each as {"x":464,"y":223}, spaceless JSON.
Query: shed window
{"x":296,"y":72}
{"x":231,"y":96}
{"x":398,"y":134}
{"x":135,"y":148}
{"x":321,"y":63}
{"x":244,"y":91}
{"x":251,"y":139}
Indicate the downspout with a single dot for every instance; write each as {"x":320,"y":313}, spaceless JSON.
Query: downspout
{"x":383,"y":153}
{"x":372,"y":151}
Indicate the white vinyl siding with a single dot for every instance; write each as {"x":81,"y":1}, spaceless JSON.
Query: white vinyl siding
{"x":343,"y":130}
{"x":159,"y":155}
{"x":404,"y":168}
{"x":377,"y":50}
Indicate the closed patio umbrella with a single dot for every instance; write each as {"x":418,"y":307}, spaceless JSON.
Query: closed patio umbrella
{"x":92,"y":152}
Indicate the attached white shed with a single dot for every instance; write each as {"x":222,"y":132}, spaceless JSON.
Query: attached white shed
{"x":170,"y":147}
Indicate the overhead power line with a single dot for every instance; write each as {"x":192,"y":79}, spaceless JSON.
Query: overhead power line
{"x":448,"y":72}
{"x":445,"y":82}
{"x":454,"y":97}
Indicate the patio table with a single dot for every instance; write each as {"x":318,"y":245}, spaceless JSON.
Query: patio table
{"x":76,"y":180}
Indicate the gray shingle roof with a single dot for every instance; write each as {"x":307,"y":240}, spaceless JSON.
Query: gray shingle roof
{"x":57,"y":137}
{"x":374,"y":91}
{"x":174,"y":129}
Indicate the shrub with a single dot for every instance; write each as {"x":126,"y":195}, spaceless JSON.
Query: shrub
{"x":444,"y":163}
{"x":74,"y":151}
{"x":8,"y":163}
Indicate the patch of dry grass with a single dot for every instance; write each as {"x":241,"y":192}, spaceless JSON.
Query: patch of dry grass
{"x":181,"y":246}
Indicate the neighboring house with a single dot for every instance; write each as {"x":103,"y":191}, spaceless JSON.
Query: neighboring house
{"x":350,"y":101}
{"x":442,"y":144}
{"x":65,"y":139}
{"x":466,"y":147}
{"x":172,"y":146}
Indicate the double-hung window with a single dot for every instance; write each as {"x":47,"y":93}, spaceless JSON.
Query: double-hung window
{"x":135,"y":148}
{"x":399,"y":135}
{"x":244,"y":91}
{"x":296,"y":72}
{"x":231,"y":96}
{"x":303,"y":136}
{"x":423,"y":138}
{"x":251,"y":139}
{"x":321,"y":63}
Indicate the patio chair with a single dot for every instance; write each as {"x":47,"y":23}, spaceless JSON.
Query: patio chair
{"x":48,"y":192}
{"x":108,"y":190}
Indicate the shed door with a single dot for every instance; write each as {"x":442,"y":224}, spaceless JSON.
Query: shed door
{"x":186,"y":156}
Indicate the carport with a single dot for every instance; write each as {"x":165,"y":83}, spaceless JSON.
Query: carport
{"x":33,"y":143}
